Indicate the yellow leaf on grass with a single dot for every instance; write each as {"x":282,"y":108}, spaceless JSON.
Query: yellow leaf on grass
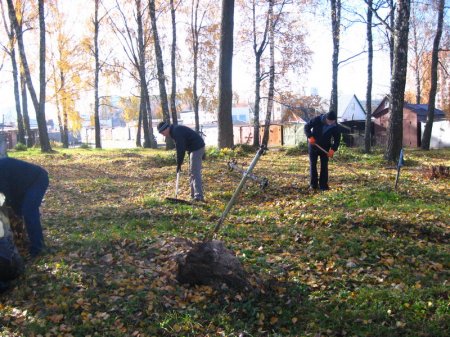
{"x":273,"y":320}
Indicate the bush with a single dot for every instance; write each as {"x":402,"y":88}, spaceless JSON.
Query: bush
{"x":242,"y":149}
{"x":85,"y":146}
{"x":20,"y":147}
{"x":301,"y":148}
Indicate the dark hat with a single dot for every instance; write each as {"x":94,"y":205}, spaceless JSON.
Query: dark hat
{"x":162,"y":126}
{"x":331,"y":116}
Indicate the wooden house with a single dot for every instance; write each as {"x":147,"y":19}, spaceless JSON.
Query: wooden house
{"x":414,"y":115}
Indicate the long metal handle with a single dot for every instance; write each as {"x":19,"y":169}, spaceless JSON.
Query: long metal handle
{"x":239,"y":188}
{"x":176,"y":184}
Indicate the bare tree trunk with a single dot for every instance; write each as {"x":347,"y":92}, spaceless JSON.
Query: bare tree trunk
{"x":398,"y":80}
{"x":416,"y":67}
{"x":195,"y":45}
{"x":142,"y":77}
{"x":391,"y":38}
{"x":173,"y":96}
{"x":65,"y":122}
{"x":256,"y":124}
{"x":59,"y":116}
{"x":20,"y":125}
{"x":40,"y":115}
{"x":225,"y":119}
{"x":153,"y":143}
{"x":426,"y":139}
{"x":29,"y":138}
{"x":138,"y":132}
{"x":336,"y":31}
{"x":160,"y":67}
{"x":258,"y":51}
{"x":368,"y":126}
{"x":98,"y":141}
{"x":270,"y":95}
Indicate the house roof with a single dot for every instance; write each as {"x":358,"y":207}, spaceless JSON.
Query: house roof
{"x":350,"y":109}
{"x":420,"y":110}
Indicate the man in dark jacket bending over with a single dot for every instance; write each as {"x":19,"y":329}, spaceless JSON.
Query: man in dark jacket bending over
{"x":323,"y":131}
{"x":24,"y":186}
{"x":187,"y":139}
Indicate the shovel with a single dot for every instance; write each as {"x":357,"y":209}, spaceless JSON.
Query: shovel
{"x":176,"y":200}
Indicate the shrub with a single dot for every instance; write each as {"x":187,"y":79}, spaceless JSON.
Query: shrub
{"x":85,"y":146}
{"x":20,"y":147}
{"x":300,"y":148}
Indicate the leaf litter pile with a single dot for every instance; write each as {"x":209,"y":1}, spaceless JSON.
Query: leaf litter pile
{"x":359,"y":260}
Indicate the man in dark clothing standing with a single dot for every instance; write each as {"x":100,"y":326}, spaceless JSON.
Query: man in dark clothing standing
{"x":188,"y":140}
{"x":11,"y":263}
{"x":24,"y":186}
{"x":323,"y":131}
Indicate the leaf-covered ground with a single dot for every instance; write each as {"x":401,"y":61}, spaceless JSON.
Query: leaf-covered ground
{"x":359,"y":260}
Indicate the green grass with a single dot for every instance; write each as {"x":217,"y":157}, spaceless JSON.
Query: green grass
{"x":361,"y":259}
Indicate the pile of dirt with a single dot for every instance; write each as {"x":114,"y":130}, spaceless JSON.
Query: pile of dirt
{"x":211,"y":263}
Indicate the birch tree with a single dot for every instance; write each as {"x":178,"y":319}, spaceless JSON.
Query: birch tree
{"x":335,"y":33}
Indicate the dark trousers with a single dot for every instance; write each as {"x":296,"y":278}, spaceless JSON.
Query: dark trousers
{"x":315,"y":181}
{"x":30,"y":212}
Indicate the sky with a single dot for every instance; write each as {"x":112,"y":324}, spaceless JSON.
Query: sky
{"x":352,"y":77}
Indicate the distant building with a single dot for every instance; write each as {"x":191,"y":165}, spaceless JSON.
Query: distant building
{"x":414,"y":118}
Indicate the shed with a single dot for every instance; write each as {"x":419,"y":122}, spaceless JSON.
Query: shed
{"x":414,"y":115}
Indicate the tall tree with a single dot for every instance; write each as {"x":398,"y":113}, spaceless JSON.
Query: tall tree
{"x":135,"y":44}
{"x":225,"y":119}
{"x":160,"y":70}
{"x":96,"y":22}
{"x":434,"y":77}
{"x":368,"y":126}
{"x":196,"y":27}
{"x":29,"y":138}
{"x":398,"y":80}
{"x":266,"y":134}
{"x":258,"y":50}
{"x":173,"y":95}
{"x":335,"y":32}
{"x":39,"y":104}
{"x":40,"y":115}
{"x":11,"y":51}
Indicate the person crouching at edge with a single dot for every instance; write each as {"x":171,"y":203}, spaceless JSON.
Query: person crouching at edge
{"x":11,"y":263}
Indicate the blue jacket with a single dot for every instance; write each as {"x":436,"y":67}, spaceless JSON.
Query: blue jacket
{"x":326,"y":136}
{"x":185,"y":139}
{"x":16,"y":176}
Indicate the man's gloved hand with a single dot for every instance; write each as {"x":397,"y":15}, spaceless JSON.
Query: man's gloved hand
{"x":331,"y":153}
{"x":312,"y":140}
